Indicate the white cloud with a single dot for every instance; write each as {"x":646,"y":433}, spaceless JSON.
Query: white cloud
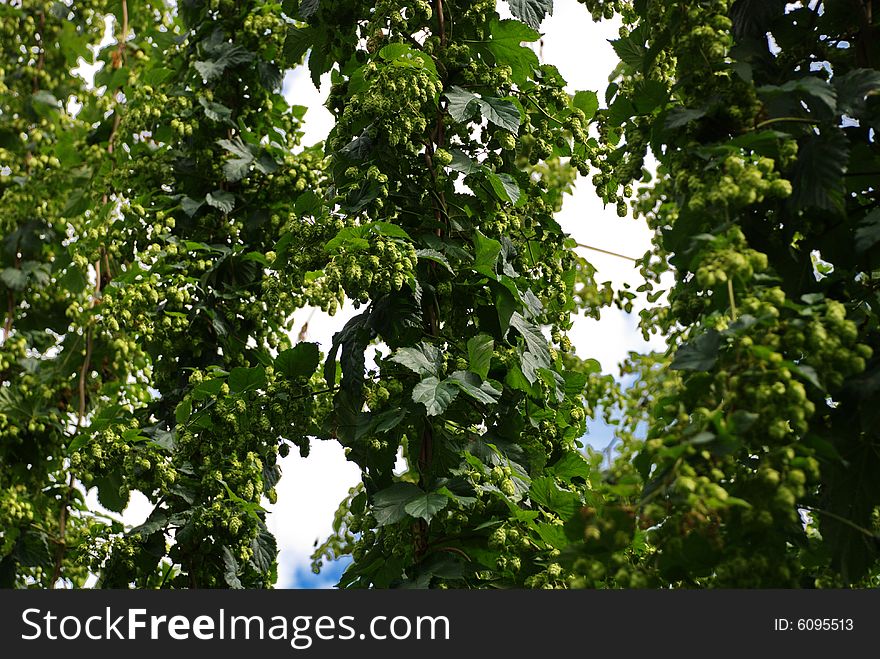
{"x":309,"y":493}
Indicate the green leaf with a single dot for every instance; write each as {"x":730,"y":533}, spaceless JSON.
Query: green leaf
{"x":388,"y":229}
{"x":486,"y":253}
{"x":109,"y":496}
{"x":77,"y":443}
{"x":630,"y":50}
{"x":320,"y":60}
{"x":462,"y":104}
{"x":817,"y":180}
{"x":32,"y":550}
{"x":501,"y":112}
{"x":459,"y":490}
{"x":223,"y":201}
{"x":183,"y":411}
{"x":216,"y":111}
{"x":571,"y":465}
{"x":434,"y":395}
{"x":352,"y":237}
{"x":353,"y":339}
{"x":506,"y":46}
{"x":531,"y":12}
{"x":297,"y":44}
{"x":227,"y":55}
{"x":470,"y":384}
{"x":648,"y":95}
{"x":426,"y":505}
{"x":189,"y":205}
{"x":436,"y":257}
{"x":535,"y":355}
{"x":553,"y":535}
{"x":236,"y":168}
{"x":298,"y":362}
{"x":389,"y":505}
{"x":545,"y":492}
{"x":243,"y":379}
{"x":532,"y":363}
{"x":265,"y":550}
{"x":462,"y":163}
{"x":423,"y":359}
{"x":505,"y":305}
{"x":809,"y":374}
{"x":534,"y":338}
{"x":480,"y":350}
{"x":361,"y":146}
{"x":309,"y":203}
{"x":812,"y":87}
{"x":401,"y":54}
{"x":504,"y":187}
{"x":742,"y":420}
{"x":698,"y":354}
{"x":851,"y":493}
{"x":230,"y":569}
{"x":157,"y":521}
{"x":868,"y":231}
{"x":14,"y":278}
{"x":587,"y":102}
{"x":620,"y":111}
{"x":678,"y":117}
{"x":752,"y":18}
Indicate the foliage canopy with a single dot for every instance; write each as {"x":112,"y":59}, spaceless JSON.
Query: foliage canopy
{"x":160,"y":227}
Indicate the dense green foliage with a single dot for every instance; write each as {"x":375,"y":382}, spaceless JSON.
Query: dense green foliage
{"x":161,"y":226}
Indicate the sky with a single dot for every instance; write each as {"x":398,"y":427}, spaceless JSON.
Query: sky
{"x":310,"y":489}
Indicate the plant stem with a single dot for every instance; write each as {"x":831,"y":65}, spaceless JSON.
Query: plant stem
{"x":776,"y":120}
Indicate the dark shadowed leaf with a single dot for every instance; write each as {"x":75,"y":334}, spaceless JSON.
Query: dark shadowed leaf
{"x":14,"y":279}
{"x":299,"y":361}
{"x":215,"y":111}
{"x":817,"y":181}
{"x":698,"y":354}
{"x":247,"y":379}
{"x":298,"y":42}
{"x":868,"y":231}
{"x":389,"y":505}
{"x":752,"y":18}
{"x":854,"y":87}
